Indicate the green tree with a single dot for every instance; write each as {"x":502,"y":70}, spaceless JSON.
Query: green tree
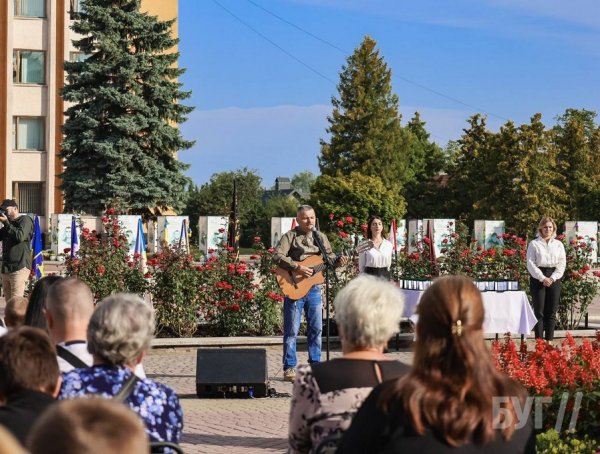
{"x":303,"y":181}
{"x":358,"y":196}
{"x":424,"y":195}
{"x":578,"y":140}
{"x":466,"y":174}
{"x":214,"y":199}
{"x":120,"y":132}
{"x":281,"y":206}
{"x":365,"y":125}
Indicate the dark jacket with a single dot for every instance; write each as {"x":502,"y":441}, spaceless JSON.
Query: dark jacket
{"x":16,"y":244}
{"x":22,"y":411}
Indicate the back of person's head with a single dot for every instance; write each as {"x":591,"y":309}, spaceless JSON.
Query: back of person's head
{"x":120,"y":329}
{"x":70,"y":300}
{"x":14,"y":312}
{"x":35,"y":309}
{"x":88,"y":426}
{"x":27,"y":362}
{"x":368,"y":311}
{"x":453,"y":379}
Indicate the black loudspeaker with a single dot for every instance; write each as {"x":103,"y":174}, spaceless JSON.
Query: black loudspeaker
{"x":231,"y":372}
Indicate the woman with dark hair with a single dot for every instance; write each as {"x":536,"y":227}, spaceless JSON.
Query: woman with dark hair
{"x":453,"y":400}
{"x":546,"y":263}
{"x":37,"y":301}
{"x":377,"y":260}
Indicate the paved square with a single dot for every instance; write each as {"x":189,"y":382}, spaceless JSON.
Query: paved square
{"x":230,"y":426}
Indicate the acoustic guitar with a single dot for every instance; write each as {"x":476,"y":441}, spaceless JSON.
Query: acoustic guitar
{"x":295,"y":286}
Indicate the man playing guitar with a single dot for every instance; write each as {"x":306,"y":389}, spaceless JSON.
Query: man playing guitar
{"x":295,"y":246}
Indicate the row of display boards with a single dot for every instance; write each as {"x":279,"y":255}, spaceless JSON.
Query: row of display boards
{"x":169,"y":228}
{"x":213,"y":231}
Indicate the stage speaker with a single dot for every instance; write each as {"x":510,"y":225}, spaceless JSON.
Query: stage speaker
{"x":231,"y":372}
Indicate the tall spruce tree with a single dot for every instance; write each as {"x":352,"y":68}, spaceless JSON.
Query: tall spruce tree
{"x":365,"y":124}
{"x":120,"y":133}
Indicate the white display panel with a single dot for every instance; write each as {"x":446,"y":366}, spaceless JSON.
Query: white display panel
{"x":129,"y":226}
{"x":173,"y":226}
{"x":279,"y":226}
{"x":60,"y":237}
{"x":442,"y":229}
{"x":208,"y":228}
{"x":489,"y":233}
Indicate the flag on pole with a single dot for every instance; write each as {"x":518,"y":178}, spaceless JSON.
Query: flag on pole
{"x":233,"y":233}
{"x":74,"y":238}
{"x":431,"y":242}
{"x":140,"y":247}
{"x":293,"y":223}
{"x":38,"y":258}
{"x":184,"y":236}
{"x":393,"y":238}
{"x":166,"y":231}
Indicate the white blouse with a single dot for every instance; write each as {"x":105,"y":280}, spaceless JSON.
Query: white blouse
{"x":377,"y":257}
{"x":550,"y":254}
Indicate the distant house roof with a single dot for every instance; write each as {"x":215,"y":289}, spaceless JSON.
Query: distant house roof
{"x":281,"y":193}
{"x":440,"y":179}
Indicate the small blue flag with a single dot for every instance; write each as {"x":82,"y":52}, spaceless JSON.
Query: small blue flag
{"x":38,"y":258}
{"x":74,"y":238}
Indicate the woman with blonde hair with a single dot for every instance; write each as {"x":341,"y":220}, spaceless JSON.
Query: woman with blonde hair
{"x":453,"y":400}
{"x":546,"y":263}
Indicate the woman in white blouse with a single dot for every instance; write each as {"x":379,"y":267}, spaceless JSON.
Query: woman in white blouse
{"x":376,"y":261}
{"x":546,"y":261}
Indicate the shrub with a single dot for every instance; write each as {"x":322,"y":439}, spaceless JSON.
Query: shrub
{"x":551,"y":442}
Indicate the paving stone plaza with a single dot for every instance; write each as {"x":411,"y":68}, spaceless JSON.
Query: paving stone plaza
{"x":230,"y":426}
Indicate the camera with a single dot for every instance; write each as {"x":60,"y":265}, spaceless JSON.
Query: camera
{"x":3,"y":212}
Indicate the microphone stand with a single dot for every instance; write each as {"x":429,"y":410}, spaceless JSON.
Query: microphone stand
{"x":329,"y":264}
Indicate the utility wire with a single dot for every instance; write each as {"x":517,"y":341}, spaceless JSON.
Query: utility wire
{"x":275,"y":44}
{"x":393,"y":74}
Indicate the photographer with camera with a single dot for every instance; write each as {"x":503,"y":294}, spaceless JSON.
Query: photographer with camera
{"x":15,"y":233}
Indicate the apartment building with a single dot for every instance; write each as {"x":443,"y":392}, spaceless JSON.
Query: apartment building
{"x":35,"y":40}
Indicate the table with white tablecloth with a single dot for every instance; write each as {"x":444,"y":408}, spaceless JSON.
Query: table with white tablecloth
{"x":505,"y":312}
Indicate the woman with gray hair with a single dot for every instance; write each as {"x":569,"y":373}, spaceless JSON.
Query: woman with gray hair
{"x":118,"y":336}
{"x":327,"y":395}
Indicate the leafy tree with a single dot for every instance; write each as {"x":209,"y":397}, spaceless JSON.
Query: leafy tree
{"x":120,"y":131}
{"x":358,"y":196}
{"x":281,"y":206}
{"x":578,"y":140}
{"x":467,"y":172}
{"x":423,"y":195}
{"x":303,"y":181}
{"x":214,"y":199}
{"x":365,"y":127}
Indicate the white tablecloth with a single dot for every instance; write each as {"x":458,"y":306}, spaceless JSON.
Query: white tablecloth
{"x":505,"y":312}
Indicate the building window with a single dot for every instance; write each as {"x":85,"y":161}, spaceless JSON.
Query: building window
{"x":28,"y":133}
{"x":28,"y":67}
{"x":75,"y":8}
{"x":30,"y":8}
{"x":78,"y":56}
{"x":31,"y":197}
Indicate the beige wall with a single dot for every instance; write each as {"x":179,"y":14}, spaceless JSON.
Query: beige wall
{"x":53,"y":35}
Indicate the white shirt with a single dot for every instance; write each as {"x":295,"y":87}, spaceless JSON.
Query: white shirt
{"x":377,"y":257}
{"x":550,"y":255}
{"x":79,"y":349}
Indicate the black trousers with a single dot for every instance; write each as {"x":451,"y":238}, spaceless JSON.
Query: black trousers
{"x":545,"y":305}
{"x":380,"y":272}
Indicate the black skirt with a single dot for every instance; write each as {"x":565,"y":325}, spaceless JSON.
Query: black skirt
{"x":379,"y":272}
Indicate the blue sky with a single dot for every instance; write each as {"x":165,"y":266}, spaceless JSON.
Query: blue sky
{"x":258,"y":107}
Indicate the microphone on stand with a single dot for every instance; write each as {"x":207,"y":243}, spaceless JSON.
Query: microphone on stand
{"x":319,"y":244}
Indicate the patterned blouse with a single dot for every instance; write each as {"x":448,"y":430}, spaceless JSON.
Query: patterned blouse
{"x":156,"y":404}
{"x":326,"y":396}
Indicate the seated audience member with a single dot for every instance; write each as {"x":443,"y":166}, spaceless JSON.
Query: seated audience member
{"x":118,"y":336}
{"x":69,"y":306}
{"x":445,"y":403}
{"x":34,"y":316}
{"x":14,"y":312}
{"x":327,"y":395}
{"x":88,"y":426}
{"x":9,"y":444}
{"x":29,"y":378}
